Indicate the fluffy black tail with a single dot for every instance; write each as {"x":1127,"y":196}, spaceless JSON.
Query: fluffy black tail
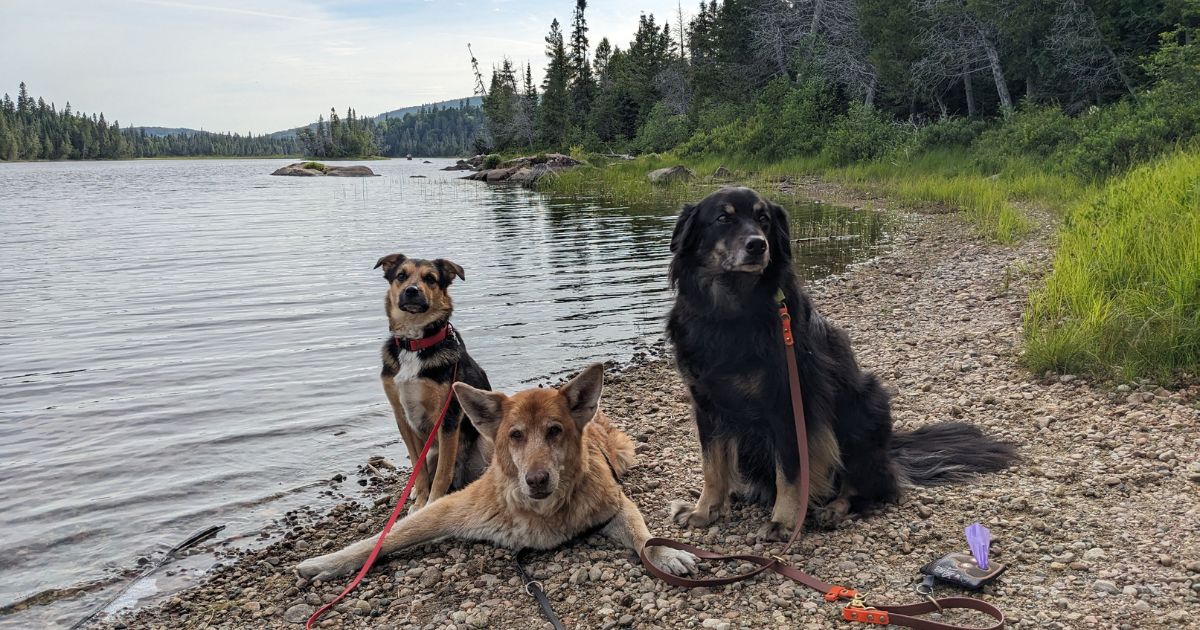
{"x":948,"y":453}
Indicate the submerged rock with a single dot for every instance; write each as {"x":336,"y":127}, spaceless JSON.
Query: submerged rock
{"x":312,"y":169}
{"x":671,"y":174}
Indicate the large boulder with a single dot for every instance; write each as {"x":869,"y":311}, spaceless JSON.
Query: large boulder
{"x":312,"y":169}
{"x":349,"y":171}
{"x":461,"y":165}
{"x":671,"y":174}
{"x":553,"y":160}
{"x":528,"y":176}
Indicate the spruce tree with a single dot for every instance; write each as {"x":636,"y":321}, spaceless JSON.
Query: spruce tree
{"x":554,"y":113}
{"x":583,"y":86}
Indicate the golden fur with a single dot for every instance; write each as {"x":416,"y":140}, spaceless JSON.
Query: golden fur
{"x":559,"y":433}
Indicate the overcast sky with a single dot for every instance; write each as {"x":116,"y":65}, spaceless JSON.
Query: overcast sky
{"x":266,"y":65}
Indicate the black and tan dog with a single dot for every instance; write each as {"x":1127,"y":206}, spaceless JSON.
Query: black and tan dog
{"x":420,"y":360}
{"x":732,"y":254}
{"x":555,"y":475}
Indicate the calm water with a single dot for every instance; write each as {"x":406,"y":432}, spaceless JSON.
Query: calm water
{"x":186,"y":343}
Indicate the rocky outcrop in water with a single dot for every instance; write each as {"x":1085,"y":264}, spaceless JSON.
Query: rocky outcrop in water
{"x":313,"y":169}
{"x":526,"y":170}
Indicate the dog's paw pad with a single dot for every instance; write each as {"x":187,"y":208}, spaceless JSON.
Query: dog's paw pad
{"x":685,"y":514}
{"x":674,"y":561}
{"x":774,"y":532}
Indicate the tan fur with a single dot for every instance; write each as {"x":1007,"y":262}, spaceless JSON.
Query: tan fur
{"x":719,"y":463}
{"x":499,"y":507}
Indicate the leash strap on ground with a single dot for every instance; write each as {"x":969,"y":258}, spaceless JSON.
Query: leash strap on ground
{"x":857,"y":609}
{"x":412,"y":479}
{"x":534,"y":589}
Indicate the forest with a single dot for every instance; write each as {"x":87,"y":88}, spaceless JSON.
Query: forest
{"x":858,"y":79}
{"x":32,"y":129}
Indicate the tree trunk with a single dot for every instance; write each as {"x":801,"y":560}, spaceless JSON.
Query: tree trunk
{"x":818,"y":8}
{"x":997,"y":74}
{"x":1029,"y":88}
{"x":969,"y":90}
{"x":870,"y":100}
{"x":1120,"y":73}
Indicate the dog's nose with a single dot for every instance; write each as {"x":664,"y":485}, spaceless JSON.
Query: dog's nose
{"x":412,"y":291}
{"x":756,"y":246}
{"x":537,"y":479}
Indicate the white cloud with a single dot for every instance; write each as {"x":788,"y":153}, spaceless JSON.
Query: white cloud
{"x":265,"y":65}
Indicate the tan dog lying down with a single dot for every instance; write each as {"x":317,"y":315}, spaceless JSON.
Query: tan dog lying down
{"x":553,"y":477}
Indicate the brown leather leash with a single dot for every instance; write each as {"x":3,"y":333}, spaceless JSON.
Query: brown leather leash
{"x":856,"y":609}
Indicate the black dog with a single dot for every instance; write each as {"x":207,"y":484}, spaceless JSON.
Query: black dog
{"x":732,"y":254}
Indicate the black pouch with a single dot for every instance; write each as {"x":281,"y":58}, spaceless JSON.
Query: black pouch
{"x":960,"y":569}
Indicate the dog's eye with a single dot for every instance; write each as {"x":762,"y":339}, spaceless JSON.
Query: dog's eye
{"x":401,"y":276}
{"x":763,"y":219}
{"x":553,"y":432}
{"x":723,"y":218}
{"x":515,"y":435}
{"x":430,"y":279}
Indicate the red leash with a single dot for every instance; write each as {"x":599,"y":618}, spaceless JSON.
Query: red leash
{"x":412,"y":478}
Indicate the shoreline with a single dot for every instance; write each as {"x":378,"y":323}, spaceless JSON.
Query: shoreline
{"x":1098,"y":524}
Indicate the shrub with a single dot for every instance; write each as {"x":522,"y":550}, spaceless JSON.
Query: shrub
{"x":862,"y":134}
{"x":492,"y":161}
{"x":791,"y":119}
{"x":663,"y":130}
{"x":1031,"y":132}
{"x":949,"y":133}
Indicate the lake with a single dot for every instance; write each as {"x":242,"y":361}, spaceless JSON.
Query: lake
{"x":194,"y":342}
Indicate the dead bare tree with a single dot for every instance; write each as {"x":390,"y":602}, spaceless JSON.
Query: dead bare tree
{"x":960,"y":42}
{"x":826,"y":33}
{"x":1081,"y":54}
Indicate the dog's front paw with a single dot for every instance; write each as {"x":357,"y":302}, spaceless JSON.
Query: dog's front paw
{"x":324,"y":568}
{"x":774,"y":532}
{"x":830,"y":515}
{"x":689,"y":515}
{"x":673,"y":561}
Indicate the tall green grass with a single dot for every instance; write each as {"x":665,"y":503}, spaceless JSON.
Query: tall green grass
{"x":1123,"y":299}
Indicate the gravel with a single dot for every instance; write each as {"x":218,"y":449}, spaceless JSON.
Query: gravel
{"x":1099,"y":524}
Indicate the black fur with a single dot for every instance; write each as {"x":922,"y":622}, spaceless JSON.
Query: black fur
{"x":437,"y":365}
{"x":727,"y":340}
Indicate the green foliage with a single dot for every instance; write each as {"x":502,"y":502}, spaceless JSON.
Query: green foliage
{"x":1032,"y":132}
{"x":316,"y":166}
{"x":663,"y":131}
{"x":863,"y":133}
{"x":1123,"y":299}
{"x":492,"y":161}
{"x":953,"y":132}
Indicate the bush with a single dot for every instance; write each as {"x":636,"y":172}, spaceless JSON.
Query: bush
{"x":949,"y":133}
{"x":663,"y":131}
{"x":791,"y":120}
{"x":1031,"y":132}
{"x":492,"y":161}
{"x":1119,"y":136}
{"x":862,"y":134}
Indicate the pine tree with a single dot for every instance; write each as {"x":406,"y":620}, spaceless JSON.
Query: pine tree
{"x":554,"y":112}
{"x":583,"y":86}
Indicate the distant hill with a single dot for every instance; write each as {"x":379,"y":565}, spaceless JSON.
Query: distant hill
{"x":158,"y":132}
{"x":395,"y":113}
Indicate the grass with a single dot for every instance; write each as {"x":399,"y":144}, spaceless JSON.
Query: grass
{"x":1124,"y":297}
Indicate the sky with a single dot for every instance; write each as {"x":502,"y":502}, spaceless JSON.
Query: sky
{"x":265,"y":65}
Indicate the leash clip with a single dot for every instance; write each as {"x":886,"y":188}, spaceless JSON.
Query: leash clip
{"x":532,"y":583}
{"x":858,"y":610}
{"x":786,"y":318}
{"x":841,"y":592}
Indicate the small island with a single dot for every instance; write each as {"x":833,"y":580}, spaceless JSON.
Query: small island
{"x":313,"y":169}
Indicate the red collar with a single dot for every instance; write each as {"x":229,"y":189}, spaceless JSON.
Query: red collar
{"x":417,"y":345}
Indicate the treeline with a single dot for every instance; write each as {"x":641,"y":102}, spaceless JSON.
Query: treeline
{"x":436,"y":131}
{"x":36,"y":130}
{"x":770,"y":77}
{"x":32,"y":129}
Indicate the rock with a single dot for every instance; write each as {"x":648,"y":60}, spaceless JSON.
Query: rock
{"x":499,"y":174}
{"x":1106,"y":586}
{"x":671,"y":174}
{"x":478,"y":619}
{"x":1094,"y":554}
{"x":461,"y":165}
{"x":722,"y":173}
{"x":431,"y":577}
{"x":311,"y":169}
{"x":530,"y":175}
{"x":298,"y":613}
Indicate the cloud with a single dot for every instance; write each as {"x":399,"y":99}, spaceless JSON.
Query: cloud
{"x":265,"y":65}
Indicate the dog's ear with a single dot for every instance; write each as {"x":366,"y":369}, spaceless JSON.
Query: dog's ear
{"x":484,"y":408}
{"x":390,"y":264}
{"x":447,"y":270}
{"x":780,"y":237}
{"x":683,"y":226}
{"x":583,"y":393}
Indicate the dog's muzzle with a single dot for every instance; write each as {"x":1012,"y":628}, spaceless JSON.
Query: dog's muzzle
{"x":412,"y":300}
{"x":751,"y":255}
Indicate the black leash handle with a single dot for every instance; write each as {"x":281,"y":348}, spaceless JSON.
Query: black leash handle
{"x":534,"y":589}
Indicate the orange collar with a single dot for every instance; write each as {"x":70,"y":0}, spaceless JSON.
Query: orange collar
{"x":417,"y":345}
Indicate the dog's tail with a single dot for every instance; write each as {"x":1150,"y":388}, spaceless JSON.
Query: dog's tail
{"x":617,"y":446}
{"x":947,"y":453}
